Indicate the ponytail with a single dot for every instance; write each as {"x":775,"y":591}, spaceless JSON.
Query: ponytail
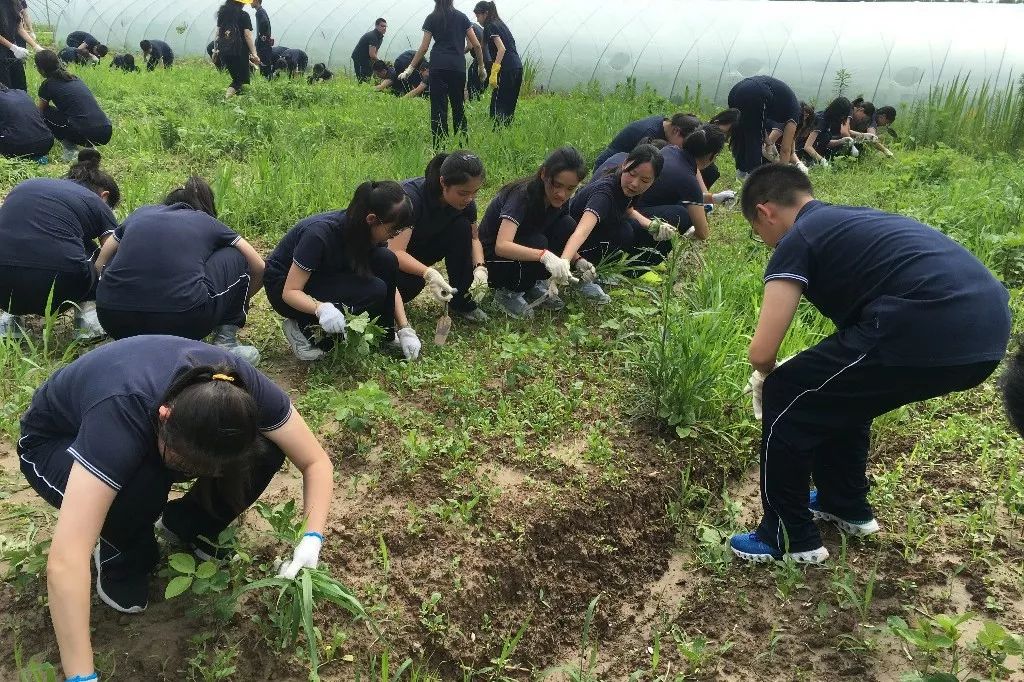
{"x":729,"y":117}
{"x":706,"y":141}
{"x":49,"y":65}
{"x":386,"y":199}
{"x":197,"y":193}
{"x":456,"y":168}
{"x":86,"y":171}
{"x":686,"y":123}
{"x":488,"y":8}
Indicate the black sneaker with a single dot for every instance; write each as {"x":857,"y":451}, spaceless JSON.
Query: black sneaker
{"x":127,"y":595}
{"x":203,"y":550}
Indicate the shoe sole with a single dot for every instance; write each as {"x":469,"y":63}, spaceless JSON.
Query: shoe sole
{"x":848,"y":527}
{"x":103,"y":595}
{"x":814,"y":556}
{"x":308,"y":354}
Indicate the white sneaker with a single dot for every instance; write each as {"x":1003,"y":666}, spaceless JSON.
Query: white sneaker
{"x":301,"y":347}
{"x":87,"y":322}
{"x":226,"y":336}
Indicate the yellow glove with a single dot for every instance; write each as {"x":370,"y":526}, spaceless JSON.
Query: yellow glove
{"x":493,"y":80}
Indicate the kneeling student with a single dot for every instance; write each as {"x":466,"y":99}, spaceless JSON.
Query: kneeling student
{"x":917,"y":317}
{"x":156,"y":52}
{"x":320,"y":73}
{"x":107,"y":436}
{"x":514,"y":233}
{"x":23,"y":132}
{"x":338,"y":261}
{"x":47,"y":233}
{"x":175,"y":269}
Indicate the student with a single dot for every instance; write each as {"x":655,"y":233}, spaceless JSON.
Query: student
{"x":864,"y":125}
{"x":23,"y":132}
{"x":1011,"y":384}
{"x":90,"y":49}
{"x":600,"y":214}
{"x":15,"y":34}
{"x":768,"y":110}
{"x":106,"y":437}
{"x":364,"y":54}
{"x":830,"y":133}
{"x":803,"y":129}
{"x":475,"y":85}
{"x":895,"y":289}
{"x":69,"y":55}
{"x":70,"y":110}
{"x":294,"y":61}
{"x":320,"y":73}
{"x":175,"y":269}
{"x":264,"y":39}
{"x":514,"y":233}
{"x":413,"y":86}
{"x":506,"y":74}
{"x":444,"y":227}
{"x":385,"y":73}
{"x":338,"y":261}
{"x":47,"y":233}
{"x":156,"y":52}
{"x":235,"y":45}
{"x":125,"y":62}
{"x":449,"y":29}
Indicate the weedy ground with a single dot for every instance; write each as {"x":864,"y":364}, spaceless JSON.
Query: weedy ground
{"x":549,"y":498}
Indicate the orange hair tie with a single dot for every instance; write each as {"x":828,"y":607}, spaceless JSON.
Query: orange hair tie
{"x":222,"y":377}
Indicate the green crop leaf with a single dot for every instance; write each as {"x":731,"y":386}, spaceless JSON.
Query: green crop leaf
{"x":183,"y":563}
{"x":177,"y":586}
{"x":206,"y":570}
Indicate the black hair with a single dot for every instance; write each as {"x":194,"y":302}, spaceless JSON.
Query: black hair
{"x":705,"y":141}
{"x":776,"y":182}
{"x":868,"y":107}
{"x":145,"y":45}
{"x":125,"y":62}
{"x":888,"y":112}
{"x":228,"y":13}
{"x":806,"y":124}
{"x":379,"y":65}
{"x":387,"y":200}
{"x":686,"y":123}
{"x":380,"y":20}
{"x":728,"y":117}
{"x":641,"y":154}
{"x":197,"y":193}
{"x":456,"y":168}
{"x":560,"y":160}
{"x":100,"y":50}
{"x":441,"y":10}
{"x":837,"y":111}
{"x":658,"y":142}
{"x":319,"y":68}
{"x":1012,"y":385}
{"x":86,"y":171}
{"x":213,"y":428}
{"x":49,"y":65}
{"x":488,"y":8}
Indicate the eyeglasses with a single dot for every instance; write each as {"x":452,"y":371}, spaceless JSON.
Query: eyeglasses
{"x":756,"y":237}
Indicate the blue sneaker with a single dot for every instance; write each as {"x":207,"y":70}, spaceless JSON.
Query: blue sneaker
{"x":848,"y":526}
{"x":750,"y":547}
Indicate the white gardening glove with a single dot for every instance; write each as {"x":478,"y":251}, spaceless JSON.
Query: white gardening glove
{"x":586,"y":270}
{"x":439,"y":288}
{"x":846,"y":140}
{"x":409,"y":342}
{"x":726,"y":197}
{"x":331,"y":319}
{"x":869,"y":137}
{"x":478,"y":289}
{"x":690,"y":234}
{"x":482,"y":73}
{"x":306,"y":555}
{"x":889,"y":154}
{"x":94,"y":59}
{"x":854,"y":152}
{"x":823,"y":162}
{"x":755,"y":386}
{"x":770,"y":152}
{"x":802,"y":167}
{"x":19,"y":52}
{"x":404,"y":76}
{"x":560,"y":269}
{"x":660,"y":230}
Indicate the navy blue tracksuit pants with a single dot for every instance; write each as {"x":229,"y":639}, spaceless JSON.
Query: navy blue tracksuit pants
{"x":818,"y":409}
{"x":455,"y":248}
{"x":506,"y":96}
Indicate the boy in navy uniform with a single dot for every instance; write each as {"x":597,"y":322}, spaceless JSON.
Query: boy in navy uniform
{"x":156,"y":52}
{"x":86,"y":45}
{"x":264,"y":41}
{"x":917,"y":316}
{"x":364,"y":54}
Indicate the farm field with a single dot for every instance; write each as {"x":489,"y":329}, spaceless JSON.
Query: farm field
{"x":551,"y":498}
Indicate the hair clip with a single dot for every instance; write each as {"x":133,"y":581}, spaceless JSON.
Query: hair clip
{"x":222,"y":377}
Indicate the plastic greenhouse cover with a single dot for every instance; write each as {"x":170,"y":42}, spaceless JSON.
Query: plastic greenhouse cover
{"x":891,"y":52}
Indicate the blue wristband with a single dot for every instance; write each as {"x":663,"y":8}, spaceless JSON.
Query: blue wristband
{"x":91,"y":677}
{"x":312,"y":534}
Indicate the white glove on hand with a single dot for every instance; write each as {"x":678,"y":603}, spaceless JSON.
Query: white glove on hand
{"x":755,"y":386}
{"x":690,"y":234}
{"x":889,"y":154}
{"x":331,"y":319}
{"x":404,"y":76}
{"x":823,"y":162}
{"x":802,"y":167}
{"x":846,"y":140}
{"x":439,"y":288}
{"x":409,"y":342}
{"x":478,"y":289}
{"x":19,"y":52}
{"x":560,"y":269}
{"x":660,"y":230}
{"x":770,"y":152}
{"x":306,"y":555}
{"x":94,"y":59}
{"x":586,"y":270}
{"x":482,"y":73}
{"x":726,"y":197}
{"x":869,"y":137}
{"x":854,"y":152}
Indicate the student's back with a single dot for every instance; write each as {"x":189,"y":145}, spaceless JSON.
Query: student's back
{"x":448,"y":29}
{"x":74,"y":99}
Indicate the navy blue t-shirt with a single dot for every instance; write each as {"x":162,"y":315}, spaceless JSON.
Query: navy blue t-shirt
{"x":314,"y":244}
{"x":826,"y":133}
{"x":511,"y":59}
{"x":74,"y":99}
{"x":76,"y":38}
{"x":449,"y":33}
{"x":262,"y":26}
{"x":50,"y":224}
{"x":603,"y":197}
{"x":361,"y":52}
{"x":107,"y":400}
{"x":511,"y":204}
{"x":676,"y":184}
{"x":162,"y":49}
{"x":399,"y":88}
{"x":160,"y":262}
{"x":431,"y":217}
{"x":892,"y":283}
{"x":781,"y":104}
{"x":630,"y":136}
{"x":20,"y":120}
